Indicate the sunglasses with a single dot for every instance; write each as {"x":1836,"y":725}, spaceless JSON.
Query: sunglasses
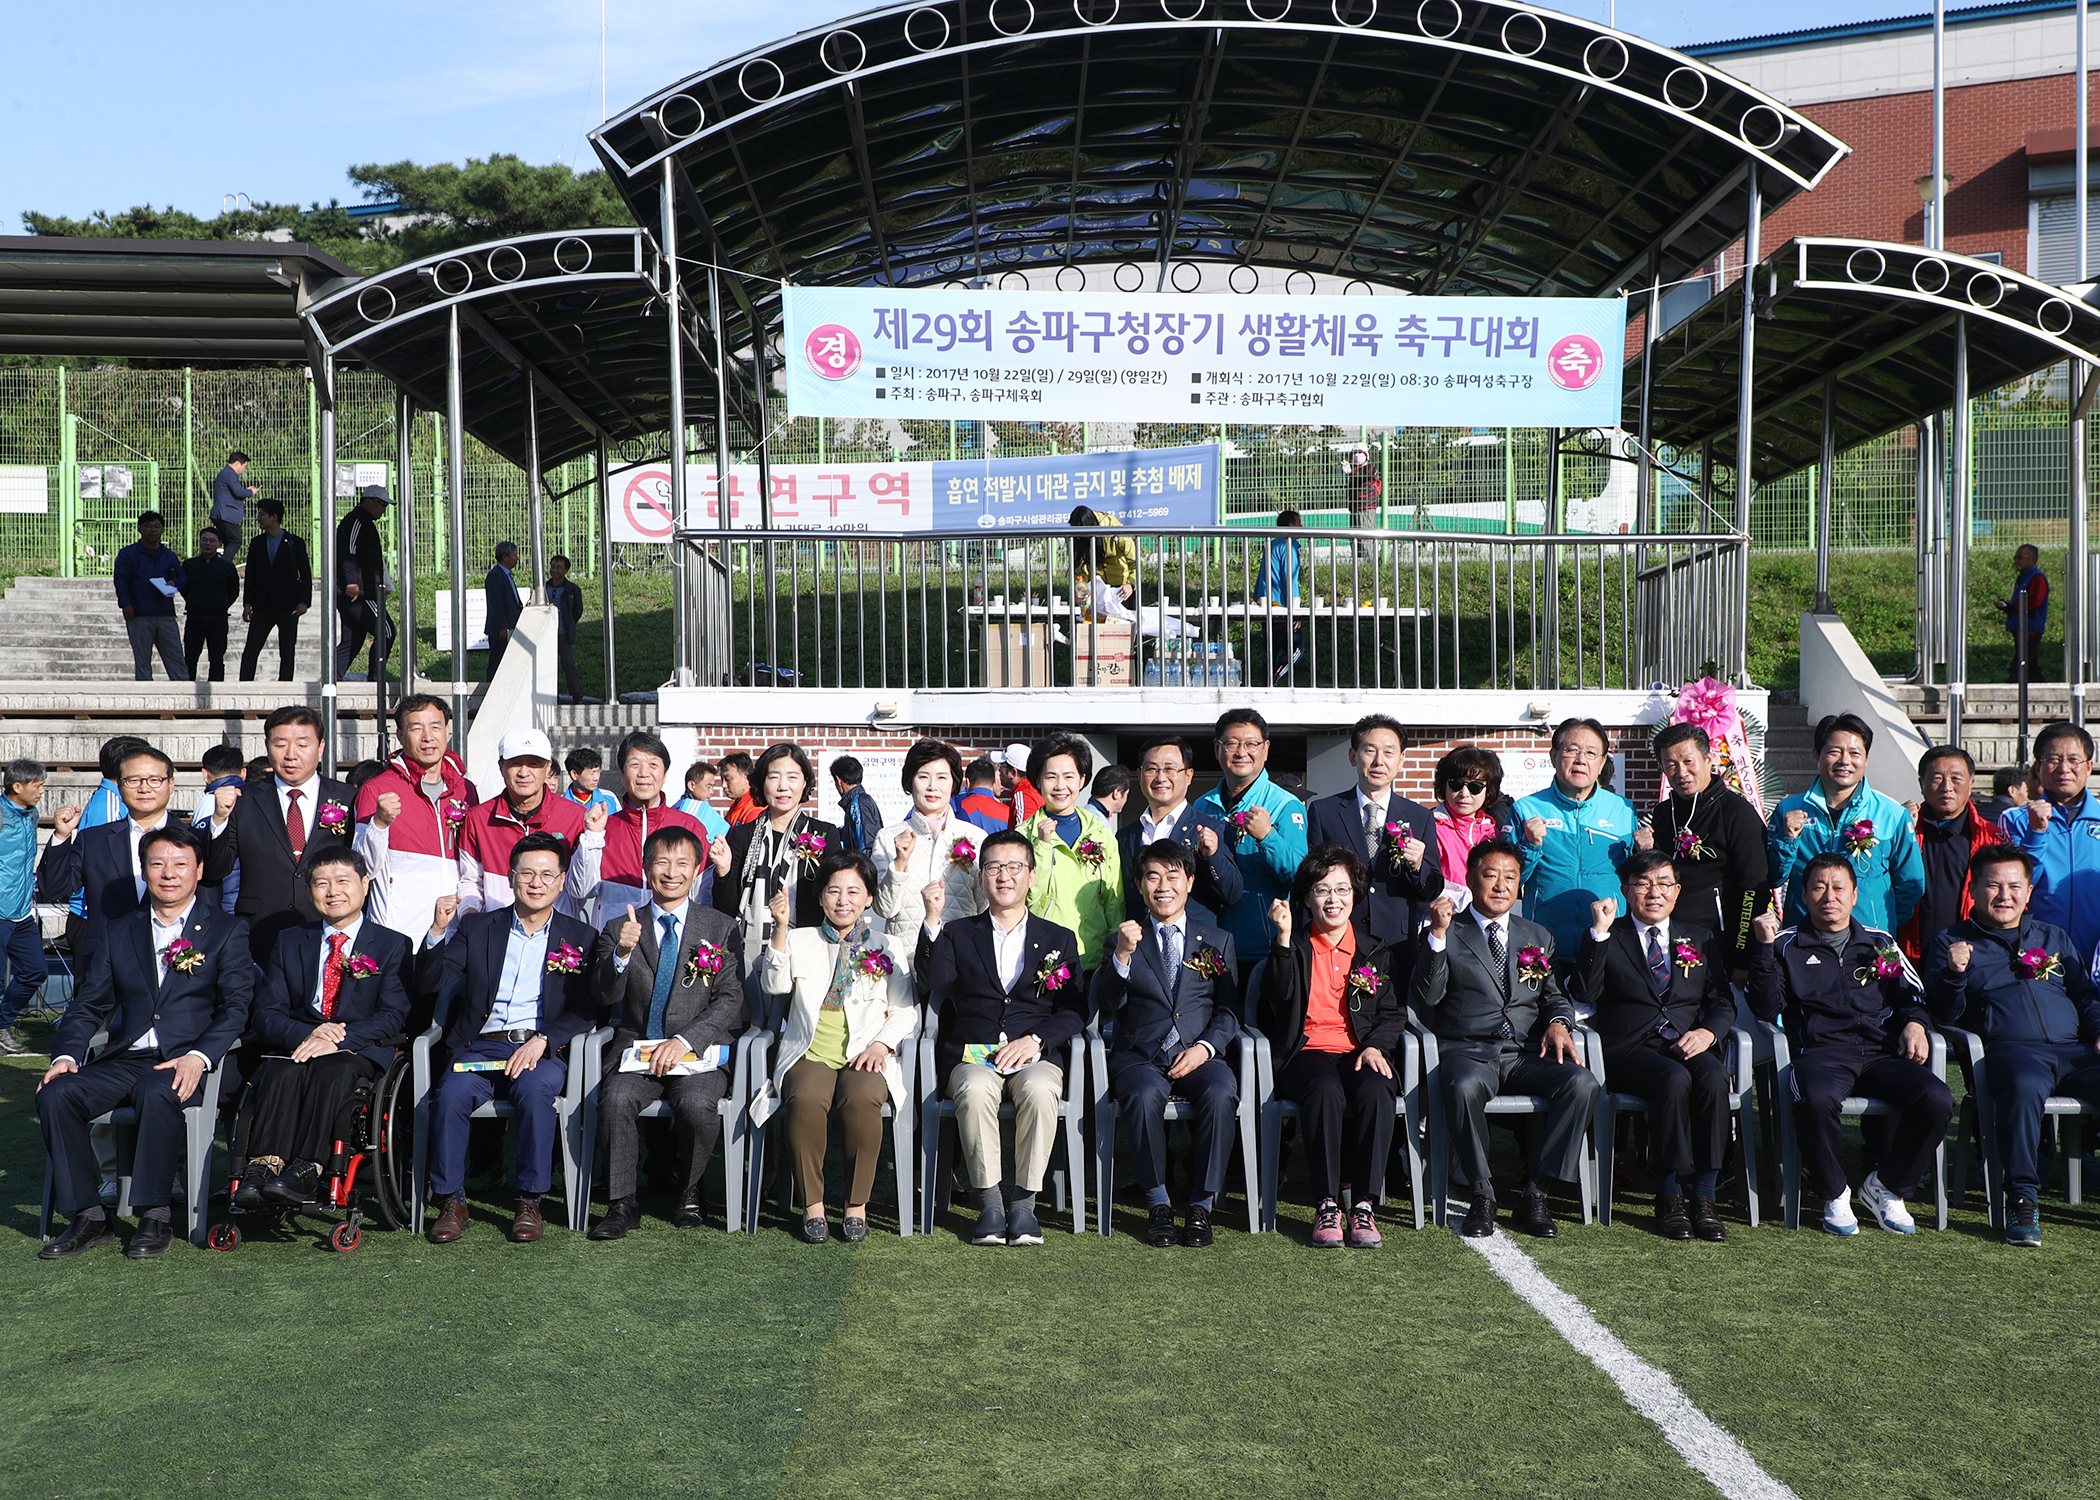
{"x":1475,"y":788}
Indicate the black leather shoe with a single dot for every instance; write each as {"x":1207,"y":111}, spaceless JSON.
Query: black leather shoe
{"x":1480,"y":1217}
{"x":1195,"y":1232}
{"x":1535,"y":1216}
{"x":297,"y":1184}
{"x":150,"y":1240}
{"x":80,"y":1236}
{"x":1706,"y":1221}
{"x":620,"y":1216}
{"x":1672,"y":1221}
{"x":689,"y":1215}
{"x":1159,"y":1227}
{"x":248,"y":1197}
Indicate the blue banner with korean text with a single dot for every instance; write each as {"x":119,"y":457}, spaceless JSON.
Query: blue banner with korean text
{"x":1154,"y":488}
{"x":1166,"y":357}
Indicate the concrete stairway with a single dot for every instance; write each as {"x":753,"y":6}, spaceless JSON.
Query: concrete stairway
{"x":601,"y":726}
{"x":1789,"y":746}
{"x":69,"y":629}
{"x":1990,"y":728}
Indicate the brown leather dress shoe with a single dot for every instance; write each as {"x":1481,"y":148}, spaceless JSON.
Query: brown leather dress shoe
{"x":1671,"y":1220}
{"x":451,"y":1222}
{"x":528,"y":1225}
{"x":1706,"y":1221}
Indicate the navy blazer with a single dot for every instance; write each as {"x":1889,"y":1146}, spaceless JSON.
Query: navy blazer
{"x":1614,"y":977}
{"x":128,"y":990}
{"x":504,"y":608}
{"x":1398,"y":894}
{"x":99,"y":860}
{"x":273,"y":884}
{"x":1218,"y":882}
{"x":371,"y":1009}
{"x":474,"y":952}
{"x":961,"y":968}
{"x":1201,"y":1009}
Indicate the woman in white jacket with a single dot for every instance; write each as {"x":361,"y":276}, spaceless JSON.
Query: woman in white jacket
{"x":851,"y":1004}
{"x":931,"y":844}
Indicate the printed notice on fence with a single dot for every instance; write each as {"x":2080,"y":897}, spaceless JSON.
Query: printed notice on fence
{"x":1166,"y":357}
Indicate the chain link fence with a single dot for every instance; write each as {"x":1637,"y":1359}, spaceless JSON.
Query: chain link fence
{"x":82,"y":452}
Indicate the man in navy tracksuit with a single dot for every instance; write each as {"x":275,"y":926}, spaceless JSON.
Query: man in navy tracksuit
{"x":2017,"y":982}
{"x":1855,"y":1017}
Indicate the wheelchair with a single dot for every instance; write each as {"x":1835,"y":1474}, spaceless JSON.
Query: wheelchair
{"x":372,"y":1139}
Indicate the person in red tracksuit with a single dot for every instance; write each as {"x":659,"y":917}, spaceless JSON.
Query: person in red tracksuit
{"x":527,"y":804}
{"x":1949,"y":830}
{"x":645,"y":765}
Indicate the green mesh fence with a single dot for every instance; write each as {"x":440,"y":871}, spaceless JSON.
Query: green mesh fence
{"x":111,"y":442}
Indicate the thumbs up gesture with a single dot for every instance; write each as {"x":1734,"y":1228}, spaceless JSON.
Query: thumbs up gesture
{"x":630,"y":935}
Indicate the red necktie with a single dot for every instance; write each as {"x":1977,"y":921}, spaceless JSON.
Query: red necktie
{"x":295,"y":825}
{"x":331,"y":972}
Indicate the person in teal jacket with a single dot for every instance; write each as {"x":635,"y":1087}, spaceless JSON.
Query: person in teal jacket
{"x":1574,"y":835}
{"x":1841,"y":814}
{"x":1271,"y":823}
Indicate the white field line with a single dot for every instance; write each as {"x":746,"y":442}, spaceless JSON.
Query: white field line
{"x":1706,"y":1446}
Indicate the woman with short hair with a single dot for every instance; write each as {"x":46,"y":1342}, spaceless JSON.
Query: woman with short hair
{"x":1468,"y":784}
{"x":933,"y":843}
{"x":779,"y":851}
{"x":851,"y":1006}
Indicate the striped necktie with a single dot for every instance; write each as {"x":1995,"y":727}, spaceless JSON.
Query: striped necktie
{"x":1658,"y":961}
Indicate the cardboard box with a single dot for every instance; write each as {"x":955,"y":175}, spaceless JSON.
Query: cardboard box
{"x":1104,"y":655}
{"x":1017,"y":655}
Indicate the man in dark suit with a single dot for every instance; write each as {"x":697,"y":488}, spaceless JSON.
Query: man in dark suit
{"x":105,"y":861}
{"x":1394,"y":836}
{"x":275,"y":824}
{"x":672,"y":980}
{"x":1008,"y":987}
{"x":360,"y":564}
{"x":1484,"y":986}
{"x":210,"y":588}
{"x":502,"y":604}
{"x":334,"y":999}
{"x":172,"y":985}
{"x":527,"y":995}
{"x":1166,"y":768}
{"x":280,"y":585}
{"x":1663,"y":1006}
{"x":1172,"y":989}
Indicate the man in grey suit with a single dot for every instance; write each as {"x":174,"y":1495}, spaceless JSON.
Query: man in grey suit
{"x":1484,"y":985}
{"x":672,"y":979}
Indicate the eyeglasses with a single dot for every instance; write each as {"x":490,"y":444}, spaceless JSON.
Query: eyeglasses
{"x":1241,"y":744}
{"x":2062,"y":762}
{"x":1005,"y":867}
{"x":1334,"y":892}
{"x":144,"y":783}
{"x":536,"y":877}
{"x":1471,"y":788}
{"x":1653,"y":885}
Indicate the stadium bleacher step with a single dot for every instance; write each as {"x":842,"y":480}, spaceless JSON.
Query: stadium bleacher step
{"x":69,"y":629}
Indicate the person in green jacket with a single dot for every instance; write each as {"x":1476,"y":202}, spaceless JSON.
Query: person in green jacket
{"x":1078,"y":872}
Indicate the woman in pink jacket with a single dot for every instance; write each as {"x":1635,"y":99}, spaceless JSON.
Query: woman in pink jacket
{"x":1468,"y":782}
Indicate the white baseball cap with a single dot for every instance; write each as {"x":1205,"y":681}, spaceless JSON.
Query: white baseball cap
{"x":524,"y":742}
{"x":1017,"y":757}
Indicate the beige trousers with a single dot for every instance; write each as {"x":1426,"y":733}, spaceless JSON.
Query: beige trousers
{"x":978,"y":1092}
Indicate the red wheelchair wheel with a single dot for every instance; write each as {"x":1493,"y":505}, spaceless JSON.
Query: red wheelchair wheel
{"x":222,"y":1237}
{"x":345,"y":1237}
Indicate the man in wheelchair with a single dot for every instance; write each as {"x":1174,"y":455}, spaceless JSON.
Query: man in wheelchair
{"x":332,"y":1005}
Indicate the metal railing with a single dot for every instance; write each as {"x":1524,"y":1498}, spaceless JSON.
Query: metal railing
{"x":1370,"y":610}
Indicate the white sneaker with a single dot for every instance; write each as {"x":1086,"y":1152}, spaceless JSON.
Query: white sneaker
{"x":1838,"y":1217}
{"x":1885,"y":1206}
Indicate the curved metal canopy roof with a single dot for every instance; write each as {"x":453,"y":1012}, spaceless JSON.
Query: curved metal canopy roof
{"x":1445,"y":146}
{"x":1877,"y":320}
{"x":579,"y":312}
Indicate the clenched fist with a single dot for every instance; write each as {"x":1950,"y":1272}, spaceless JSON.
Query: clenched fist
{"x":936,"y":899}
{"x":386,"y":809}
{"x":1413,"y":852}
{"x":1601,"y":915}
{"x":2039,"y":812}
{"x":1280,"y":919}
{"x":777,"y":909}
{"x":1644,"y":837}
{"x":222,"y":803}
{"x":1440,"y":911}
{"x":441,"y":914}
{"x":1128,"y":936}
{"x":906,"y":842}
{"x":718,"y":856}
{"x":630,"y":934}
{"x":1207,"y":841}
{"x":1766,"y":927}
{"x":1534,"y":830}
{"x":63,"y":825}
{"x":1958,"y":956}
{"x":1794,"y":822}
{"x":594,"y":818}
{"x":1259,"y":824}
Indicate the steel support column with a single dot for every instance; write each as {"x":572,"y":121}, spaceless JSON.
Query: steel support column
{"x":535,"y":497}
{"x":1745,"y":450}
{"x":456,"y":485}
{"x":2078,"y":602}
{"x":681,"y":646}
{"x":331,"y":751}
{"x":405,"y":519}
{"x":1960,"y":532}
{"x":1824,"y":487}
{"x":605,"y":566}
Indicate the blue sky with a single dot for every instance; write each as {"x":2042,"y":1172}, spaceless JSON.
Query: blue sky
{"x":112,"y":103}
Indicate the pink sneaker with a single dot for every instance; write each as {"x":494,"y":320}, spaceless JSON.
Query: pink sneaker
{"x":1327,"y":1226}
{"x":1363,"y":1228}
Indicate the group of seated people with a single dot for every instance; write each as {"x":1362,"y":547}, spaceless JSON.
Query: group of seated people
{"x":1499,"y":930}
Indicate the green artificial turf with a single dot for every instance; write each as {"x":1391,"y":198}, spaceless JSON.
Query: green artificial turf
{"x":694,"y":1363}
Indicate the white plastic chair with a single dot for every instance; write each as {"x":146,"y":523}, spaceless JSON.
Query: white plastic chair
{"x":1590,"y":1052}
{"x":1977,"y":1105}
{"x":1742,"y":1103}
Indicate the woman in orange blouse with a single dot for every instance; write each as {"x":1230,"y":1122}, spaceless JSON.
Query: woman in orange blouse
{"x":1334,"y":1020}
